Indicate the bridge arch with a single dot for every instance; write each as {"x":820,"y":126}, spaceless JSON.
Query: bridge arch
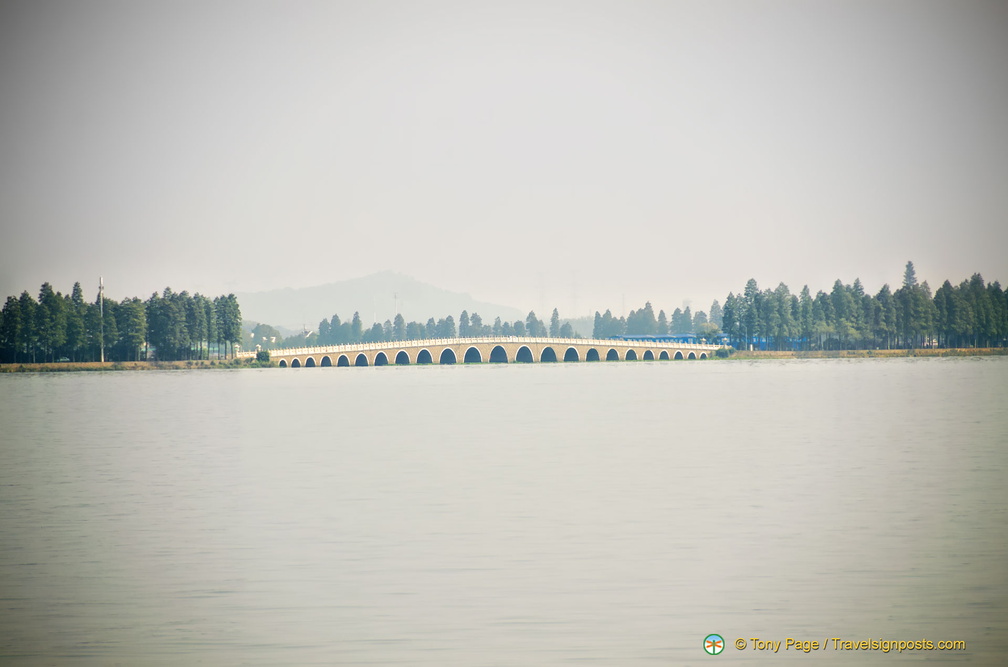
{"x":500,"y":350}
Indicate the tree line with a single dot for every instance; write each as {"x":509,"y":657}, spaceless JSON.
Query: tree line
{"x":644,"y":322}
{"x":971,"y":314}
{"x":168,"y":326}
{"x":335,"y":331}
{"x":177,"y":325}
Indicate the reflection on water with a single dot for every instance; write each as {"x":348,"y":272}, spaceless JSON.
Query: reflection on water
{"x":542,"y":514}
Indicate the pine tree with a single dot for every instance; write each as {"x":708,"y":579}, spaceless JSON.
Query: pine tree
{"x":909,"y":276}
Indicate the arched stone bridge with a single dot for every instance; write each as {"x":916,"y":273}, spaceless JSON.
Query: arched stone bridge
{"x":501,"y":349}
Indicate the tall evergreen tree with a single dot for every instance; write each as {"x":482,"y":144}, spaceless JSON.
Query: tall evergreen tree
{"x":375,"y":334}
{"x":729,"y":319}
{"x":74,"y":307}
{"x":886,"y":327}
{"x":50,"y":321}
{"x":415,"y":331}
{"x":110,"y":329}
{"x":606,"y":326}
{"x":399,"y":327}
{"x":197,"y":322}
{"x":533,"y":326}
{"x":339,"y":332}
{"x":716,"y":314}
{"x":29,"y":334}
{"x":356,"y":329}
{"x":642,"y":322}
{"x":805,"y":317}
{"x":11,"y":329}
{"x":909,"y":276}
{"x":750,"y":311}
{"x":446,"y":328}
{"x":131,"y":322}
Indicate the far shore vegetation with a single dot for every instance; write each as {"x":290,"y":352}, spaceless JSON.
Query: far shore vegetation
{"x":972,"y":314}
{"x":170,"y":326}
{"x":971,"y":317}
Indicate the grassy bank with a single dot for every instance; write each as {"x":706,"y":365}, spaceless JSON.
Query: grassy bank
{"x":872,"y":354}
{"x":75,"y":366}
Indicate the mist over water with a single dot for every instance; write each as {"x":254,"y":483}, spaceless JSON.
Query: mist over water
{"x":511,"y":514}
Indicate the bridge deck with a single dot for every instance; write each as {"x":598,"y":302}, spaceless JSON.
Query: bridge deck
{"x":503,"y":349}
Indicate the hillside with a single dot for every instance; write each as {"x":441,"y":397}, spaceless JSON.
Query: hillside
{"x":375,"y":297}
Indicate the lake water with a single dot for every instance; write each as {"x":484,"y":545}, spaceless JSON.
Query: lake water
{"x":545,"y":514}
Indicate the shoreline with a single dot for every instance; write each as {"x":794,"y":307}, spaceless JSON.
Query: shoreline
{"x":215,"y":364}
{"x":872,"y":354}
{"x":115,"y":366}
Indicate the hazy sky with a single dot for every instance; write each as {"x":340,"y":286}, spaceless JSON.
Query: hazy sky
{"x":578,"y":154}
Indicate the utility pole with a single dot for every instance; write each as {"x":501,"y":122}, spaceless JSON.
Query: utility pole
{"x":101,"y":316}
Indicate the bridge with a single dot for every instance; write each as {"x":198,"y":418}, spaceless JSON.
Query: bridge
{"x":498,"y":349}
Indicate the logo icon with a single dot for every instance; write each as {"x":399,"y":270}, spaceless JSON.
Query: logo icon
{"x":713,"y":644}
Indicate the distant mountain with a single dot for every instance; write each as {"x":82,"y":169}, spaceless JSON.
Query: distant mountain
{"x":375,"y":297}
